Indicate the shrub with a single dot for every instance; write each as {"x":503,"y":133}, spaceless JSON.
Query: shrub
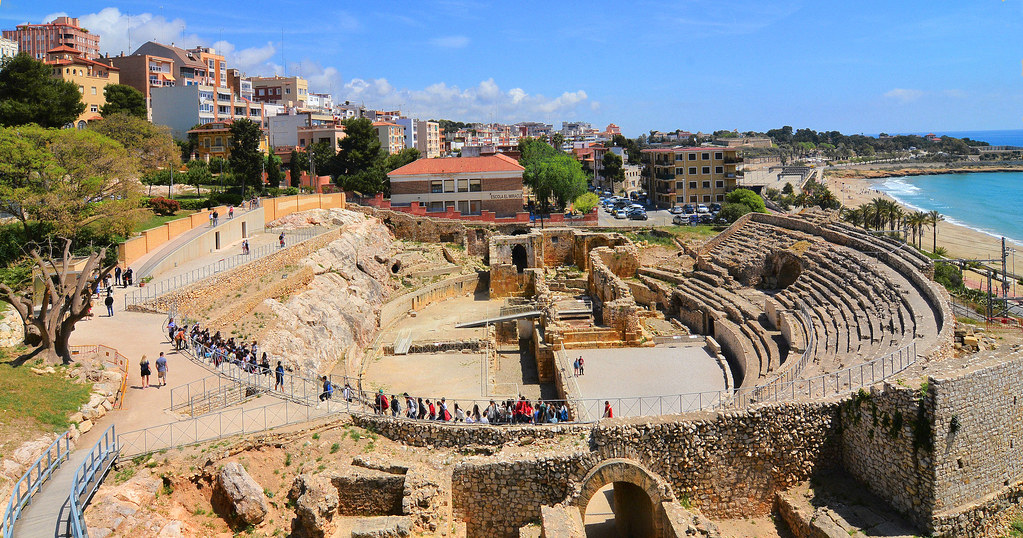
{"x":195,"y":204}
{"x":731,"y":212}
{"x":585,"y":203}
{"x":288,"y":191}
{"x":227,"y":198}
{"x":163,"y":206}
{"x":748,"y":198}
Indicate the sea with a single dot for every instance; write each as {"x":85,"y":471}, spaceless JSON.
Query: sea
{"x":989,"y":202}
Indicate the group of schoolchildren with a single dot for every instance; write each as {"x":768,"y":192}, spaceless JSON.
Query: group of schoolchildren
{"x":519,"y":411}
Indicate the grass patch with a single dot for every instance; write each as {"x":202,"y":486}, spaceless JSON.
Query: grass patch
{"x":651,"y":238}
{"x":46,"y":399}
{"x":702,"y":232}
{"x":155,"y":220}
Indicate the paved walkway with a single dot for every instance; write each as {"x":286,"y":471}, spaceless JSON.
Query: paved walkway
{"x":48,"y":514}
{"x":146,"y":263}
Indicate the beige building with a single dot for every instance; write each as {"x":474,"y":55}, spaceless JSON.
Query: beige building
{"x":391,"y":135}
{"x":287,"y":91}
{"x":692,"y":175}
{"x":143,"y":72}
{"x":90,"y":76}
{"x":428,"y":139}
{"x":469,"y":185}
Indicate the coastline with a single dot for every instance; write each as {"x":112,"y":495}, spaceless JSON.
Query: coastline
{"x":960,"y":241}
{"x":880,"y":173}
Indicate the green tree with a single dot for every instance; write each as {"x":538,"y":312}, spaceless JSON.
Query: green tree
{"x":295,"y":167}
{"x":747,"y":198}
{"x":323,"y":157}
{"x":585,"y":203}
{"x":359,"y":158}
{"x":121,"y":98}
{"x":933,"y":218}
{"x":273,"y":171}
{"x":613,"y":170}
{"x":150,"y":146}
{"x":555,"y":178}
{"x":246,"y":159}
{"x":198,"y":174}
{"x":632,"y":148}
{"x":396,"y":161}
{"x":30,"y":94}
{"x":557,"y":140}
{"x":731,"y":212}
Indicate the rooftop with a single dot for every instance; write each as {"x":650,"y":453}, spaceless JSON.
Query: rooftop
{"x":455,"y":165}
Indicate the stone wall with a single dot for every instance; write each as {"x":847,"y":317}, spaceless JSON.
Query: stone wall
{"x":450,"y":435}
{"x":429,"y":230}
{"x":367,"y":492}
{"x":507,"y":281}
{"x":421,"y":298}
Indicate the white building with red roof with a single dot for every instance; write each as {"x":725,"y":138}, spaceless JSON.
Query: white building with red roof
{"x":469,"y":185}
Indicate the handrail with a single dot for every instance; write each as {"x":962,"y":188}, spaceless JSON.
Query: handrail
{"x":28,"y":485}
{"x":153,"y":290}
{"x":83,"y":485}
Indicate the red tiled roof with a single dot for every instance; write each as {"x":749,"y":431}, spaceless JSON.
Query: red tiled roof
{"x":64,"y":48}
{"x":459,"y":165}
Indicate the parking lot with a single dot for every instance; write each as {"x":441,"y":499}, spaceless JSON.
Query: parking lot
{"x":655,"y":217}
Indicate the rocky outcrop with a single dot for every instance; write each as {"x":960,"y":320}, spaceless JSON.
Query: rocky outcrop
{"x":316,"y":502}
{"x":335,"y":317}
{"x":12,"y":330}
{"x":242,"y":494}
{"x":125,"y":510}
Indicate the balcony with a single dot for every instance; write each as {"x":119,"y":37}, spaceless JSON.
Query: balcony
{"x":733,"y":160}
{"x":216,"y":149}
{"x":664,"y":176}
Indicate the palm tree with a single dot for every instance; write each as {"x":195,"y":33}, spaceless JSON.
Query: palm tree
{"x":934,"y":217}
{"x":867,"y":213}
{"x":852,"y":216}
{"x":880,"y":212}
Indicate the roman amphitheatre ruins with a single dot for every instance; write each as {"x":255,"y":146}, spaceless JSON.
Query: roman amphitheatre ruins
{"x":791,"y":376}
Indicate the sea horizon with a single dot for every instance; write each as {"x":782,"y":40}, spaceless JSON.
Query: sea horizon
{"x":995,"y":137}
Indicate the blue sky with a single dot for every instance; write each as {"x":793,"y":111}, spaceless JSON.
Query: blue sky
{"x":864,"y":66}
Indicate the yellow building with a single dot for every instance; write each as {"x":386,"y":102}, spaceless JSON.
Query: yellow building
{"x":90,"y":76}
{"x":288,"y":91}
{"x":391,"y":135}
{"x":697,"y":175}
{"x":214,"y":140}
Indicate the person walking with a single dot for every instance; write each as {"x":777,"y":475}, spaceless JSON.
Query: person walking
{"x":117,"y":275}
{"x":211,"y":219}
{"x":216,"y":218}
{"x":347,"y":392}
{"x":581,"y":365}
{"x":109,"y":302}
{"x":161,"y":369}
{"x":328,"y":389}
{"x":230,"y":212}
{"x":144,"y":371}
{"x":395,"y":405}
{"x":129,"y":275}
{"x":170,"y":330}
{"x":608,"y":412}
{"x":281,"y":239}
{"x":279,"y":376}
{"x":575,"y":368}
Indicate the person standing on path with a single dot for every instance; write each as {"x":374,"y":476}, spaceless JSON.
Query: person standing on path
{"x":279,"y":376}
{"x":281,"y":238}
{"x":117,"y":275}
{"x":109,"y":301}
{"x":144,"y":371}
{"x":608,"y":412}
{"x":230,"y":212}
{"x":575,"y":368}
{"x":129,"y":275}
{"x":161,"y":369}
{"x":581,"y":366}
{"x":211,"y":219}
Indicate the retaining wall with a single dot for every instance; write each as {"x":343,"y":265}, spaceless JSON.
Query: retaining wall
{"x":419,"y":299}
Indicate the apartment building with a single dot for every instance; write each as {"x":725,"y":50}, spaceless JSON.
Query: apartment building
{"x":8,"y":48}
{"x":288,"y":91}
{"x":422,"y":135}
{"x":182,"y":107}
{"x":198,"y":66}
{"x":533,"y":129}
{"x":90,"y":76}
{"x":677,"y":176}
{"x":37,"y":39}
{"x":300,"y":129}
{"x":143,"y":72}
{"x":391,"y":135}
{"x":469,"y":185}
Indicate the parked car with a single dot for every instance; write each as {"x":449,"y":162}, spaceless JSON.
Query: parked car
{"x":701,"y":209}
{"x":681,"y":220}
{"x":689,"y":209}
{"x":637,"y":214}
{"x":715,"y":208}
{"x":706,"y":218}
{"x":621,"y":213}
{"x":675,"y":210}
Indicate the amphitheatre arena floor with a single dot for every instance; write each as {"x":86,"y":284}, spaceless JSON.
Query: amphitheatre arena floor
{"x":647,"y":371}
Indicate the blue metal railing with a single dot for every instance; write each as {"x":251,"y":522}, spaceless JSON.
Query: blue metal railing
{"x":32,"y":480}
{"x":85,"y":482}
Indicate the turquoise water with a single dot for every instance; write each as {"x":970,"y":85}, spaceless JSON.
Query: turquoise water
{"x":991,"y":202}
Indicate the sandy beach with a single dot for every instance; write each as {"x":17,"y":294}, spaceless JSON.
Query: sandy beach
{"x":960,"y":241}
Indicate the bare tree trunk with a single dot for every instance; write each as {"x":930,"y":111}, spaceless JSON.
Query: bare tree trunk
{"x":66,"y":299}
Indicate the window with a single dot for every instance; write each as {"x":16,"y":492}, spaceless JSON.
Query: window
{"x":680,"y":199}
{"x":436,"y":186}
{"x":692,"y":170}
{"x":463,"y":185}
{"x":463,"y":207}
{"x":718,"y":155}
{"x":449,"y":185}
{"x":692,"y":156}
{"x":705,"y":156}
{"x":475,"y":185}
{"x":721,"y":198}
{"x":692,"y":184}
{"x":476,"y":207}
{"x":706,"y":197}
{"x":81,"y":89}
{"x":218,"y":142}
{"x":435,"y":207}
{"x":719,"y":184}
{"x":692,"y":198}
{"x":287,"y":91}
{"x":679,"y":185}
{"x":705,"y":170}
{"x":94,"y":90}
{"x":719,"y":169}
{"x":706,"y":184}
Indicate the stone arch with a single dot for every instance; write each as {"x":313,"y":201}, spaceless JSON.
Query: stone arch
{"x":630,"y":479}
{"x":781,"y":269}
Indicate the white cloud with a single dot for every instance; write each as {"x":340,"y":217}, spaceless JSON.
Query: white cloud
{"x":250,"y":59}
{"x":482,"y":102}
{"x":115,"y":28}
{"x":450,"y":42}
{"x":958,"y":94}
{"x":903,"y":95}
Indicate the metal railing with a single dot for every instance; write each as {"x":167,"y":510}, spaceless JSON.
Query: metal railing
{"x":152,"y":290}
{"x":209,"y":390}
{"x":32,"y":480}
{"x":88,"y":477}
{"x":119,"y":360}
